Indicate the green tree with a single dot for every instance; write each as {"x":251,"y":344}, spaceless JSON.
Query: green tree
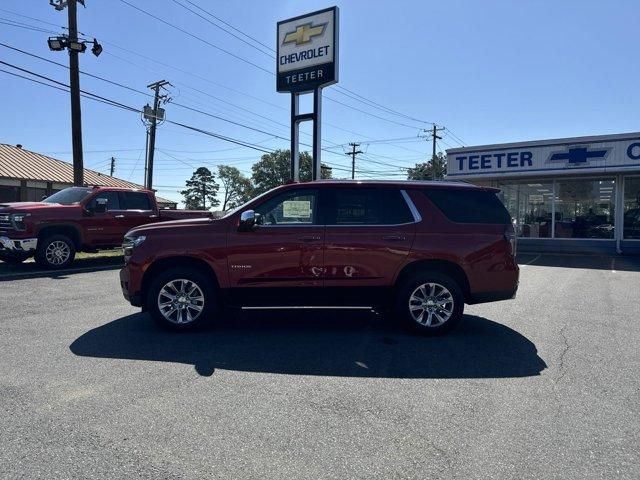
{"x":274,"y":169}
{"x":201,"y":190}
{"x":435,"y":169}
{"x":237,"y":187}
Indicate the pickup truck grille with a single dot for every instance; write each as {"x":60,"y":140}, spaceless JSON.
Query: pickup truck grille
{"x":5,"y":222}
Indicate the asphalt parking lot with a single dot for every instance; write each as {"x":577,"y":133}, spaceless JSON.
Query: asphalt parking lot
{"x":544,"y":386}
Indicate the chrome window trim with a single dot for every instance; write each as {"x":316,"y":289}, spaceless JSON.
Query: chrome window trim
{"x":414,"y":211}
{"x":417,"y":218}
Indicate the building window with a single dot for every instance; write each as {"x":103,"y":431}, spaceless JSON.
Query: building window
{"x":9,"y":194}
{"x":35,"y":194}
{"x":632,"y":208}
{"x":584,"y":208}
{"x":530,"y":207}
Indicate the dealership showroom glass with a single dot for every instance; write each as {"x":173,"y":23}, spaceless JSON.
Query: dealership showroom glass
{"x":577,"y":194}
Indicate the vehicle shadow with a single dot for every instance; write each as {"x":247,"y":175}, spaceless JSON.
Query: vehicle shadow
{"x":81,"y":265}
{"x":335,"y":345}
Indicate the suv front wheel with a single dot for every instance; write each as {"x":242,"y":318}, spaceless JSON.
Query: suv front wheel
{"x":430,"y":303}
{"x":182,"y":299}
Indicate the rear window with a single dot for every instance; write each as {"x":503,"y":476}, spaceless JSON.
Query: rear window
{"x":469,"y":206}
{"x":137,"y":201}
{"x":367,"y":206}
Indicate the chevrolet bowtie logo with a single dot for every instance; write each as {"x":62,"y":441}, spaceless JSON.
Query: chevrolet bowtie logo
{"x":577,"y":155}
{"x":304,"y":33}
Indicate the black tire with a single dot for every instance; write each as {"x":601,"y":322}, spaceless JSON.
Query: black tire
{"x":210,"y":308}
{"x":405,"y":292}
{"x":47,"y":253}
{"x":13,"y":259}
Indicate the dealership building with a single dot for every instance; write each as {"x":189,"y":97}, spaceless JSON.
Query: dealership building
{"x":577,"y":194}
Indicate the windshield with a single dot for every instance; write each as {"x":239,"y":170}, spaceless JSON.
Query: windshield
{"x":69,"y":195}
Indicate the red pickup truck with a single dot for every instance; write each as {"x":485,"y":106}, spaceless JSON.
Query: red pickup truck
{"x":426,"y":248}
{"x":77,"y":219}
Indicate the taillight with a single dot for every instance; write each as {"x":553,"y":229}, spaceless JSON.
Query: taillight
{"x":510,"y":236}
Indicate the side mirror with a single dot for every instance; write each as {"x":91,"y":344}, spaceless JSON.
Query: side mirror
{"x":101,"y":205}
{"x":247,"y":221}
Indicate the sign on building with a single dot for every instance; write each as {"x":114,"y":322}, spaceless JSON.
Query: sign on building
{"x":611,"y":153}
{"x":307,"y":56}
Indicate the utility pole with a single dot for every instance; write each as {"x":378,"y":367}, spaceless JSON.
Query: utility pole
{"x":75,"y":46}
{"x":353,"y":154}
{"x":153,"y":117}
{"x":113,"y":166}
{"x":434,"y":137}
{"x":74,"y":84}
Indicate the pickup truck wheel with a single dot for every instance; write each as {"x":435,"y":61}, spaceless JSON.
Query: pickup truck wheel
{"x":55,"y":252}
{"x":182,"y":299}
{"x":430,"y":303}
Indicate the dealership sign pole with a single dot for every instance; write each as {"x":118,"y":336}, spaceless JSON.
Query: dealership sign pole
{"x":307,"y":61}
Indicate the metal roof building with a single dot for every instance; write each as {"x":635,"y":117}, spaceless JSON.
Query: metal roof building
{"x":28,"y":176}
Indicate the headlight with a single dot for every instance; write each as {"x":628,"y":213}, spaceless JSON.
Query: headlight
{"x":18,"y":220}
{"x":130,"y":243}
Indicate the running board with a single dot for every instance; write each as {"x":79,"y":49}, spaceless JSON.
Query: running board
{"x":309,"y":307}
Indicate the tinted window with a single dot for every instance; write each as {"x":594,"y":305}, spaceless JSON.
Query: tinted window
{"x":136,"y":201}
{"x":469,"y":206}
{"x":113,"y":201}
{"x":367,"y":206}
{"x":289,"y":208}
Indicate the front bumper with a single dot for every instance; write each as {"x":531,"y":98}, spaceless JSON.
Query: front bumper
{"x":23,"y":245}
{"x":134,"y":298}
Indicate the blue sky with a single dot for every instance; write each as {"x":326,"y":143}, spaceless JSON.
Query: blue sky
{"x":489,"y":71}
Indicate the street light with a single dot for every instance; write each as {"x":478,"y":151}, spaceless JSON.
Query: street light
{"x":77,"y":46}
{"x":57,"y":44}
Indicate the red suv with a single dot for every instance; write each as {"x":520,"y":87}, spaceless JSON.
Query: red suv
{"x":425,"y":248}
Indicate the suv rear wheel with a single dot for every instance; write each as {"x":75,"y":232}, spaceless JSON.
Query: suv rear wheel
{"x":182,"y":299}
{"x":430,"y":303}
{"x":55,"y":251}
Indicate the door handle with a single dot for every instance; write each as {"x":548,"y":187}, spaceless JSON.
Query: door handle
{"x":153,"y":216}
{"x":394,"y":238}
{"x":118,"y":216}
{"x":310,"y":238}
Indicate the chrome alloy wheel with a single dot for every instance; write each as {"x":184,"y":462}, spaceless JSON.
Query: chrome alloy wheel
{"x":431,"y":304}
{"x":57,"y":252}
{"x":181,"y":301}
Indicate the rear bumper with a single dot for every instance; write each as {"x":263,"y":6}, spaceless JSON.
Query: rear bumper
{"x":22,"y":245}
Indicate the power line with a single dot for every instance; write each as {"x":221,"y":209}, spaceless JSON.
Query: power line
{"x":344,"y":91}
{"x":353,"y":95}
{"x":31,"y":18}
{"x":456,"y":137}
{"x":222,"y":28}
{"x":115,"y":103}
{"x":186,"y":32}
{"x":11,"y":23}
{"x":255,"y":65}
